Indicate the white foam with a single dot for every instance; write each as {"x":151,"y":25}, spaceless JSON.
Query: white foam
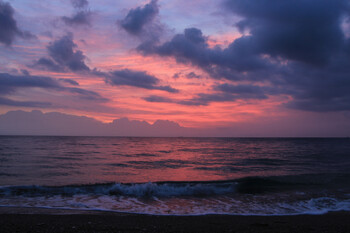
{"x":183,"y":206}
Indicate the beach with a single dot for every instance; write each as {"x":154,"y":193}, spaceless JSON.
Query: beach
{"x":50,"y":220}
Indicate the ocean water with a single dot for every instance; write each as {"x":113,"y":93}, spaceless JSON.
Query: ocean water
{"x":177,"y":176}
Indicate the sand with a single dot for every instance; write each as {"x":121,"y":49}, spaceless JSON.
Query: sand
{"x":46,"y":220}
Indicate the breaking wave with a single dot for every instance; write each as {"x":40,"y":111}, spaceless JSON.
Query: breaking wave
{"x":162,"y":189}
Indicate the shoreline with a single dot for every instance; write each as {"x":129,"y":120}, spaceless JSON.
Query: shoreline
{"x":22,"y":210}
{"x":17,"y":219}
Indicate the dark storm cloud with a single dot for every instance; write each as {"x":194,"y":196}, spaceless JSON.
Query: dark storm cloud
{"x":191,"y":47}
{"x":8,"y":25}
{"x":10,"y":83}
{"x":139,"y":79}
{"x":320,"y":90}
{"x":79,"y":18}
{"x":301,"y":30}
{"x":296,"y":48}
{"x":63,"y":56}
{"x":137,"y":18}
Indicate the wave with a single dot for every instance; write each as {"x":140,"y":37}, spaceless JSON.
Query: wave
{"x":161,"y":189}
{"x":185,"y":207}
{"x":248,"y":185}
{"x":288,"y":195}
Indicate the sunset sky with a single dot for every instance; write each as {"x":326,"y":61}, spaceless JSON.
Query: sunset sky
{"x":263,"y":64}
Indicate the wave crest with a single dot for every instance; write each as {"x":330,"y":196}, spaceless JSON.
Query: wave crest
{"x":164,"y":189}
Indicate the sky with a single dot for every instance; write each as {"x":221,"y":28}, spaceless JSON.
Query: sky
{"x":264,"y":66}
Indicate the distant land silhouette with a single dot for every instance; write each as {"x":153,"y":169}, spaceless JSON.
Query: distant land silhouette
{"x":55,"y":123}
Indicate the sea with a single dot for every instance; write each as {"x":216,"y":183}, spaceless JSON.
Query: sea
{"x":176,"y":176}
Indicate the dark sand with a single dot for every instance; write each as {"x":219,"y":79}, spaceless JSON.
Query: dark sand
{"x":51,"y":221}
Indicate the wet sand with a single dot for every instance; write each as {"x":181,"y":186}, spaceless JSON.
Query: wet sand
{"x":52,"y":221}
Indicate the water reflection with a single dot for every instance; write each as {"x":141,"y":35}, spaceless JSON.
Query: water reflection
{"x":84,"y":160}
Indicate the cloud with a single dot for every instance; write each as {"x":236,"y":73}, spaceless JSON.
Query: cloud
{"x":191,"y":47}
{"x":47,"y":64}
{"x":176,"y":75}
{"x":229,"y":92}
{"x":86,"y":94}
{"x":64,"y":53}
{"x":158,"y":99}
{"x":298,"y":30}
{"x":190,"y":75}
{"x":139,"y":79}
{"x":137,"y":18}
{"x":79,"y":18}
{"x":222,"y":93}
{"x":35,"y":104}
{"x":243,"y":90}
{"x":320,"y":90}
{"x":79,"y":3}
{"x":188,"y":102}
{"x":8,"y":25}
{"x":196,"y":101}
{"x":9,"y":84}
{"x":63,"y":57}
{"x":193,"y":75}
{"x":69,"y":81}
{"x":294,"y":48}
{"x":25,"y":72}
